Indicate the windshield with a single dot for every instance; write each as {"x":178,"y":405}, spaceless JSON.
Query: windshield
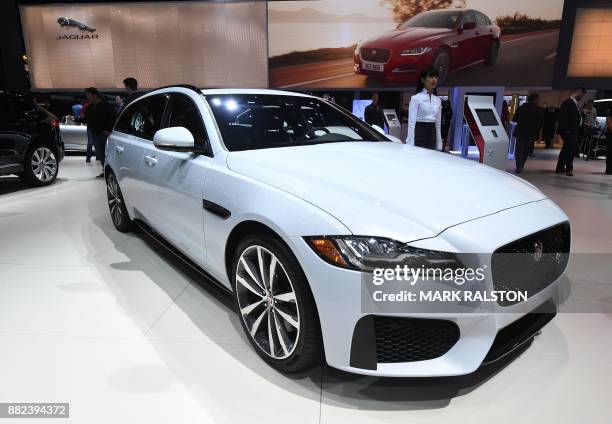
{"x":262,"y":121}
{"x":445,"y":19}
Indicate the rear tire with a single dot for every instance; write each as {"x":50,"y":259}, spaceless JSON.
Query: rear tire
{"x":41,"y":166}
{"x":116,"y":205}
{"x":278,"y":314}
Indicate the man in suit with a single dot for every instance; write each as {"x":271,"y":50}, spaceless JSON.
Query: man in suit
{"x":528,"y":120}
{"x":100,"y":118}
{"x":570,"y":121}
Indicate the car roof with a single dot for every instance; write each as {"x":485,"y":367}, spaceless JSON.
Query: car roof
{"x":223,"y":91}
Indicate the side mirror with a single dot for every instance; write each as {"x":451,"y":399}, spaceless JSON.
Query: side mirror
{"x":176,"y":139}
{"x":468,"y":26}
{"x":380,"y":130}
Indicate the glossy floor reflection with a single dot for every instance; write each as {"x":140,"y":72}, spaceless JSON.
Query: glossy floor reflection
{"x":105,"y":321}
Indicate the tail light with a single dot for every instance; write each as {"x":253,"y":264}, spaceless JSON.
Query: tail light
{"x":55,"y":124}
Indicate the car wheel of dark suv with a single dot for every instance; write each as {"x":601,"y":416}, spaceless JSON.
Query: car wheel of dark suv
{"x":40,"y":167}
{"x":276,"y":307}
{"x":116,"y":205}
{"x":441,"y":63}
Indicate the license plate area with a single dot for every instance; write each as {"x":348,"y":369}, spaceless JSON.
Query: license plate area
{"x":370,"y":66}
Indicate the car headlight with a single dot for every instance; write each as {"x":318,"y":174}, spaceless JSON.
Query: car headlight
{"x":357,"y":48}
{"x":415,"y":51}
{"x":367,"y":253}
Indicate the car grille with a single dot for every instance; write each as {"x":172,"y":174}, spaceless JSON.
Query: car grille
{"x":375,"y":55}
{"x":413,"y":339}
{"x":531,"y":263}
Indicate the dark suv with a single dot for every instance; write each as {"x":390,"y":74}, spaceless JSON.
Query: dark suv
{"x":30,"y":143}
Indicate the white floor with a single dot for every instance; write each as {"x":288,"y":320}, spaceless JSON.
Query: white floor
{"x":103,"y":321}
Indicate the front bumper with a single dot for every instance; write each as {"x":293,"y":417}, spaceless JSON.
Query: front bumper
{"x":337,"y":294}
{"x":403,"y":68}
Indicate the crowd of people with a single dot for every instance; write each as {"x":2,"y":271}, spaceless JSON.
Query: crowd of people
{"x":100,"y":115}
{"x":428,"y":120}
{"x":577,"y":127}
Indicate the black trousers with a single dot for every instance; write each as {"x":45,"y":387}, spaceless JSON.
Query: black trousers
{"x":100,"y":145}
{"x":565,"y":163}
{"x":548,"y":139}
{"x":522,"y":151}
{"x":425,"y":135}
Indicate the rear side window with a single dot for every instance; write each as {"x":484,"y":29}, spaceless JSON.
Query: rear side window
{"x":143,"y":118}
{"x":183,"y":112}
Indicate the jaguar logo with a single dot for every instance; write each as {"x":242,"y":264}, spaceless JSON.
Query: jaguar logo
{"x":538,"y":251}
{"x":66,"y":22}
{"x":374,"y":52}
{"x":71,"y":23}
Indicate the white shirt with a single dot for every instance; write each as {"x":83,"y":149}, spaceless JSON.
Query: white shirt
{"x":425,"y":108}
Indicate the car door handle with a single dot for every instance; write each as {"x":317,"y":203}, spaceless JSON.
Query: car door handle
{"x":119,"y":149}
{"x":150,"y":160}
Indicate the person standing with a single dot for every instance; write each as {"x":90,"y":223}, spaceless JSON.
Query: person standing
{"x":570,"y":121}
{"x":609,"y":142}
{"x":425,"y":113}
{"x":549,"y":126}
{"x":505,"y":116}
{"x":528,"y":118}
{"x":131,"y":87}
{"x":373,"y":113}
{"x":589,"y":126}
{"x":100,"y":118}
{"x":77,"y":109}
{"x":447,"y":116}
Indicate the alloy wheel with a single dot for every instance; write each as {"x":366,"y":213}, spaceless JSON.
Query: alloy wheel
{"x":441,"y":64}
{"x":114,"y":200}
{"x":267,"y":302}
{"x":44,"y":164}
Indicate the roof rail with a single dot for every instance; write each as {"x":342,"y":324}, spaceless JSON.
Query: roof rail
{"x":188,"y":86}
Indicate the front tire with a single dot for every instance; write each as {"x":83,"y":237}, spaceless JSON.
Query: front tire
{"x":441,"y":63}
{"x":41,"y":166}
{"x":275,"y":304}
{"x":116,"y":205}
{"x":493,"y":54}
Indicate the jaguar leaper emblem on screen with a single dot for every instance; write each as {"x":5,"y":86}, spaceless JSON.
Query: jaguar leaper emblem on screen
{"x":72,"y":23}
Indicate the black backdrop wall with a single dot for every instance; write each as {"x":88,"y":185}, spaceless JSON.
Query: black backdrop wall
{"x":12,"y":72}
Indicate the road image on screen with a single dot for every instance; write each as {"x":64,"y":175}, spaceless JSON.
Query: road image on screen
{"x":386,"y":43}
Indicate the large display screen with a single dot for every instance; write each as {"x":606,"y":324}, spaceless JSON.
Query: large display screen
{"x":385,"y":43}
{"x":591,"y":52}
{"x":487,"y":118}
{"x":207,"y":44}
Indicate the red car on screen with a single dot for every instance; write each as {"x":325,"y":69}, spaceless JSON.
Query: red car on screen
{"x":445,"y":39}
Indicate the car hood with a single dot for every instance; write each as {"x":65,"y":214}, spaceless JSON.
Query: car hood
{"x":386,"y":189}
{"x":405,"y":37}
